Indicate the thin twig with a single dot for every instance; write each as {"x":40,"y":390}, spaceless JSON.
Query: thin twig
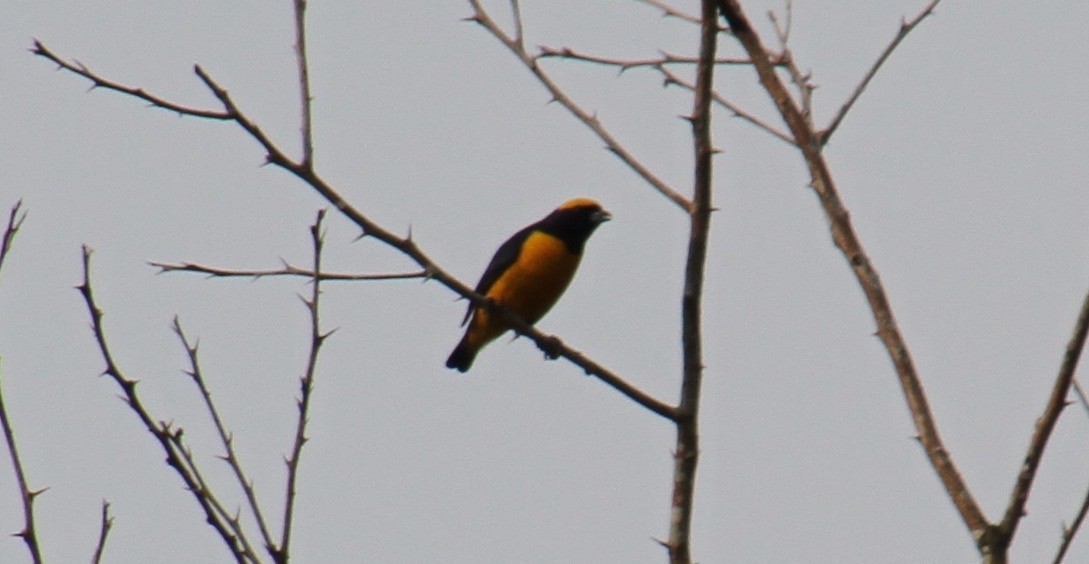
{"x":287,"y":270}
{"x":1045,"y":425}
{"x":225,"y":437}
{"x":905,"y":28}
{"x":845,"y":238}
{"x":1081,"y":394}
{"x":737,"y":111}
{"x":546,"y":52}
{"x":178,"y":456}
{"x":591,"y":121}
{"x":306,"y":386}
{"x":1070,"y":532}
{"x":800,"y":79}
{"x":304,"y":84}
{"x":26,"y":495}
{"x":519,"y":32}
{"x":671,"y":12}
{"x":103,"y":531}
{"x":15,"y":220}
{"x":98,"y":82}
{"x":686,"y":452}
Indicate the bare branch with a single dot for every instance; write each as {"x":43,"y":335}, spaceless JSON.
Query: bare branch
{"x":103,"y":531}
{"x":1070,"y":532}
{"x":671,"y":12}
{"x":800,"y":79}
{"x":590,"y":120}
{"x":225,"y":437}
{"x":519,"y":32}
{"x":306,"y":384}
{"x":845,"y":238}
{"x":905,"y":28}
{"x":547,"y":52}
{"x":178,"y":456}
{"x":1045,"y":425}
{"x":15,"y":221}
{"x":98,"y":82}
{"x":26,"y":495}
{"x":737,"y":111}
{"x":686,"y":452}
{"x":287,"y":270}
{"x":304,"y":84}
{"x":1081,"y":394}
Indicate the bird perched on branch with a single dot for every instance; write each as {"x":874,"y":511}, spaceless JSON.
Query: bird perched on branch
{"x":528,"y":274}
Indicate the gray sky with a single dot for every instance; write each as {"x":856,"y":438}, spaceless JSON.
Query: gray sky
{"x":963,"y":168}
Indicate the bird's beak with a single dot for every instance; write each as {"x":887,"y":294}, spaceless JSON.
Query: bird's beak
{"x":601,"y":216}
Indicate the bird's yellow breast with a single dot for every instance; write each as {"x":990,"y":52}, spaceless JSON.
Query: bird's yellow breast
{"x":530,"y":286}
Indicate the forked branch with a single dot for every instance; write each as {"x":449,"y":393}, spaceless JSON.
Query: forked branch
{"x":26,"y":494}
{"x":169,"y":437}
{"x":845,"y":238}
{"x":481,"y":16}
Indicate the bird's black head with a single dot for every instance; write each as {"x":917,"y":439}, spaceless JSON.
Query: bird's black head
{"x":574,"y":222}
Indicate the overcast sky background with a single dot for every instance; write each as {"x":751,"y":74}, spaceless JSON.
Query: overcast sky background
{"x":963,"y":167}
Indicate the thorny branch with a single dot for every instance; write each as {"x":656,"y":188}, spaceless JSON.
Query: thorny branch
{"x":481,"y":16}
{"x":225,"y":437}
{"x":26,"y":495}
{"x":666,"y":58}
{"x":170,"y":440}
{"x":552,"y":346}
{"x":286,"y":270}
{"x":845,"y":238}
{"x":800,"y":79}
{"x":306,"y":386}
{"x":905,"y":28}
{"x":1044,"y":426}
{"x":98,"y":82}
{"x":686,"y":452}
{"x":104,"y":527}
{"x":737,"y":111}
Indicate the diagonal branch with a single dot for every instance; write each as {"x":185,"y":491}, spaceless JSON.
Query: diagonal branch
{"x":178,"y":456}
{"x":225,"y":437}
{"x":98,"y":82}
{"x":845,"y":238}
{"x":590,"y":120}
{"x":104,"y":527}
{"x":1070,"y":532}
{"x":26,"y":495}
{"x":671,"y":12}
{"x":737,"y":111}
{"x":800,"y":79}
{"x":905,"y":28}
{"x":1046,"y":424}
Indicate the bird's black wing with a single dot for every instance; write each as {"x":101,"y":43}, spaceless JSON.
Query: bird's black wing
{"x":506,"y":256}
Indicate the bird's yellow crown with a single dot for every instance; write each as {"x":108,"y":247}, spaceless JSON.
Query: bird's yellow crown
{"x":579,"y":203}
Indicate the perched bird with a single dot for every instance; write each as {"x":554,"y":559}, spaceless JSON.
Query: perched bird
{"x":528,"y":274}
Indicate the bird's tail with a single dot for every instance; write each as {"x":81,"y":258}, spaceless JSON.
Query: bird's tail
{"x":462,"y":357}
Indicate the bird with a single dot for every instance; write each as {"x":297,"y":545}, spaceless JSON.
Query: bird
{"x":528,"y":274}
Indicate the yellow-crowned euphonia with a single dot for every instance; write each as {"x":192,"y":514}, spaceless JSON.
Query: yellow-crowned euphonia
{"x":528,"y":274}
